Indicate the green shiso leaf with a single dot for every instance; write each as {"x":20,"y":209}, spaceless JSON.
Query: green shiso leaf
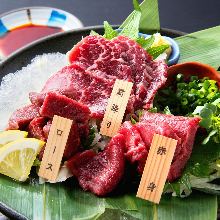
{"x":156,"y":51}
{"x":150,"y":21}
{"x":110,"y":33}
{"x":131,"y":27}
{"x":93,"y":33}
{"x":146,"y":43}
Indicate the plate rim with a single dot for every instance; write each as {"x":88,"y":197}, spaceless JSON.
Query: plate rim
{"x":78,"y":30}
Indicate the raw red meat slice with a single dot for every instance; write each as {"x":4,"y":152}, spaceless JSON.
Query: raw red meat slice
{"x":139,"y":137}
{"x":35,"y":128}
{"x":96,"y":64}
{"x":57,"y":104}
{"x":121,"y":58}
{"x":147,"y":131}
{"x":101,"y":57}
{"x":73,"y":142}
{"x":22,"y":117}
{"x":185,"y":128}
{"x":100,"y":173}
{"x":73,"y":82}
{"x":135,"y":147}
{"x":148,"y":75}
{"x":46,"y":128}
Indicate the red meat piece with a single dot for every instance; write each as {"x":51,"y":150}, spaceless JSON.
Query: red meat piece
{"x":147,"y":132}
{"x":56,"y":104}
{"x":73,"y":82}
{"x":184,"y":128}
{"x":46,"y":128}
{"x":72,"y":145}
{"x":96,"y":64}
{"x":121,"y":58}
{"x":22,"y":117}
{"x":135,"y":147}
{"x":100,"y":173}
{"x":35,"y":128}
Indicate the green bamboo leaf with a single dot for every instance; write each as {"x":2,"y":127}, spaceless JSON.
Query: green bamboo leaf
{"x":68,"y":201}
{"x":202,"y":46}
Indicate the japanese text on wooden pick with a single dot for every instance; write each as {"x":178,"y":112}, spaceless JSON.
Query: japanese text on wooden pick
{"x":156,"y":168}
{"x":116,"y":107}
{"x":54,"y":149}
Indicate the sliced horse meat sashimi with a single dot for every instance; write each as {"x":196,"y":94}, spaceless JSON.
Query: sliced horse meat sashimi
{"x":100,"y":173}
{"x":57,"y":104}
{"x":147,"y":131}
{"x":95,"y":65}
{"x":73,"y":141}
{"x":73,"y":82}
{"x":121,"y":58}
{"x":81,"y":91}
{"x":135,"y":147}
{"x":183,"y":129}
{"x":22,"y":117}
{"x":35,"y":128}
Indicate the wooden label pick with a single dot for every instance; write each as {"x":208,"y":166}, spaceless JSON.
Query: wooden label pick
{"x":116,"y":107}
{"x":156,"y":168}
{"x":55,"y":146}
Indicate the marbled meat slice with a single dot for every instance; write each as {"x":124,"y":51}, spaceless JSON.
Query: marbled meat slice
{"x":185,"y":128}
{"x":73,"y":141}
{"x":100,"y":173}
{"x":22,"y":117}
{"x":73,"y":82}
{"x":35,"y":128}
{"x":121,"y":58}
{"x":57,"y":104}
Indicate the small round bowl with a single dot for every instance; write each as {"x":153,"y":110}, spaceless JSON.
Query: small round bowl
{"x":175,"y":54}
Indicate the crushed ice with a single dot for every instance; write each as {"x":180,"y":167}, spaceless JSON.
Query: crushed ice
{"x":15,"y":87}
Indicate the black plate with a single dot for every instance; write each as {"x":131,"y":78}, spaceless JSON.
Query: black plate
{"x":61,"y":42}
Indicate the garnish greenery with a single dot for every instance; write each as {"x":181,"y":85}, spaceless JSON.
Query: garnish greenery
{"x":210,"y":114}
{"x":201,"y":171}
{"x":86,"y":143}
{"x":36,"y":163}
{"x":200,"y":98}
{"x":156,"y":51}
{"x":130,"y":28}
{"x":110,"y":33}
{"x":184,"y":97}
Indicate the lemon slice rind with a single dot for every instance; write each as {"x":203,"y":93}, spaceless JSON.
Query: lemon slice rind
{"x":17,"y":157}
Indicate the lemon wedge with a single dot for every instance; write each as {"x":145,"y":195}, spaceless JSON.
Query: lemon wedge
{"x":17,"y":157}
{"x":11,"y":135}
{"x":160,"y":40}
